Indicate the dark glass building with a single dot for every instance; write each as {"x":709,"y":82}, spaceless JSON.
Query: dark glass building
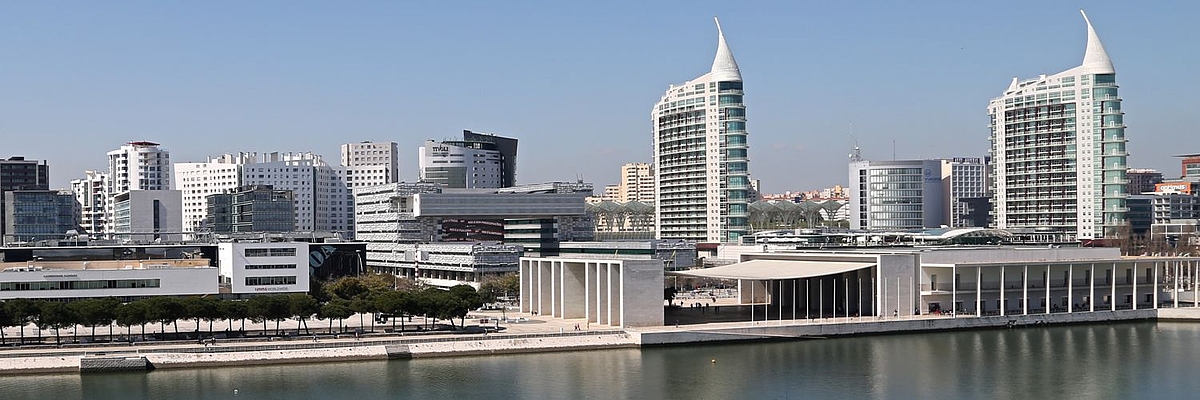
{"x":252,"y":208}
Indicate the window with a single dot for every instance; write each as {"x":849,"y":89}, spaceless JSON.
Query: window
{"x":271,"y":252}
{"x":270,"y":280}
{"x":79,"y":285}
{"x":270,"y":266}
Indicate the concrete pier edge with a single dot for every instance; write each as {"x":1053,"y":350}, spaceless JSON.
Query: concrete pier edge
{"x":613,"y":339}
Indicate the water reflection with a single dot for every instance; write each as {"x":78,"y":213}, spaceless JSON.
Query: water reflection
{"x":1123,"y":360}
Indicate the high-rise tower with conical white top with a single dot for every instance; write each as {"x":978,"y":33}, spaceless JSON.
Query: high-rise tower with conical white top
{"x":1058,"y":150}
{"x":701,"y":167}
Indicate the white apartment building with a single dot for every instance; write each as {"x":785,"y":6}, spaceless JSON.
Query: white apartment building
{"x":1058,"y":150}
{"x":637,"y":183}
{"x":198,"y":180}
{"x":963,"y":178}
{"x":136,"y":166}
{"x":323,"y":202}
{"x":369,"y":163}
{"x":700,"y":155}
{"x":91,"y":192}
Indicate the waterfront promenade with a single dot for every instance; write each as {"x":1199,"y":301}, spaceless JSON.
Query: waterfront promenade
{"x":535,"y":334}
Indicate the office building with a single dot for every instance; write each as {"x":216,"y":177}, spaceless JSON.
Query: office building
{"x":91,"y":192}
{"x":701,"y":162}
{"x":478,"y":161}
{"x":17,"y":173}
{"x":964,"y":179}
{"x":1141,"y":214}
{"x":1058,"y":146}
{"x":1142,"y":180}
{"x":370,"y":164}
{"x":198,"y":180}
{"x":254,"y":208}
{"x":535,"y":217}
{"x":892,"y":195}
{"x":322,"y":200}
{"x":508,"y":153}
{"x":263,"y":267}
{"x":449,"y":264}
{"x":35,"y":215}
{"x":148,"y":216}
{"x":1189,"y":166}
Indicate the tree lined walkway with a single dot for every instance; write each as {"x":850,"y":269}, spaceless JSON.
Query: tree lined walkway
{"x":339,"y":300}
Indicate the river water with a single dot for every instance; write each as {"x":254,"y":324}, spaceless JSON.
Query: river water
{"x":1121,"y":360}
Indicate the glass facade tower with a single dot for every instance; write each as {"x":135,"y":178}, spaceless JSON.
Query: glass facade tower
{"x":701,"y":162}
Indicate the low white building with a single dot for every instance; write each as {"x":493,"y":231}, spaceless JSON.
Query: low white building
{"x":267,"y":267}
{"x":123,"y":279}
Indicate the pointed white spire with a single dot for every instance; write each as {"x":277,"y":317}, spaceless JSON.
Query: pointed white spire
{"x":1095,"y":59}
{"x":724,"y":67}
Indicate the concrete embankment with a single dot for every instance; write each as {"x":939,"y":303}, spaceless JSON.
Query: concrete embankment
{"x":522,"y":345}
{"x":766,"y":330}
{"x":291,"y":353}
{"x":259,"y":357}
{"x":260,"y":353}
{"x":39,"y":365}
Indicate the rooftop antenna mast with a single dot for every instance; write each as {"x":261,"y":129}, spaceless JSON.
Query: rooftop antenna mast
{"x":855,"y":153}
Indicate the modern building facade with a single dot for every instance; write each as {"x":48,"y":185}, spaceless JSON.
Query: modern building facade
{"x":196,"y":181}
{"x":369,"y":163}
{"x":1143,"y":180}
{"x":322,"y":200}
{"x":148,"y":216}
{"x":477,"y":161}
{"x":535,"y":217}
{"x":637,"y":183}
{"x":1058,"y":145}
{"x":891,"y":195}
{"x":701,"y":156}
{"x":459,"y":164}
{"x":1189,"y":165}
{"x":91,"y":192}
{"x":17,"y":173}
{"x":508,"y":152}
{"x":257,"y":268}
{"x":34,"y":215}
{"x":137,"y":165}
{"x":255,"y":208}
{"x":449,"y":264}
{"x":964,"y":178}
{"x":956,"y":281}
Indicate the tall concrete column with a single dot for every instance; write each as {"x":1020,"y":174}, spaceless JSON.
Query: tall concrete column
{"x":1070,"y":288}
{"x":1025,"y":291}
{"x":1003,"y":288}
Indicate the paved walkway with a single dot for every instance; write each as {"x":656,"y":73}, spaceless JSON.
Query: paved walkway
{"x":527,"y":325}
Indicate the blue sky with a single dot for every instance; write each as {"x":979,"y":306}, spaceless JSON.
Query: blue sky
{"x":575,"y":82}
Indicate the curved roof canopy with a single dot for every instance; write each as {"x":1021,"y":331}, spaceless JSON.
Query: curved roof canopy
{"x":775,"y":269}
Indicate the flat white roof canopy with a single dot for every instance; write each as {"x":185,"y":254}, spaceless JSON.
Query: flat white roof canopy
{"x":775,"y":269}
